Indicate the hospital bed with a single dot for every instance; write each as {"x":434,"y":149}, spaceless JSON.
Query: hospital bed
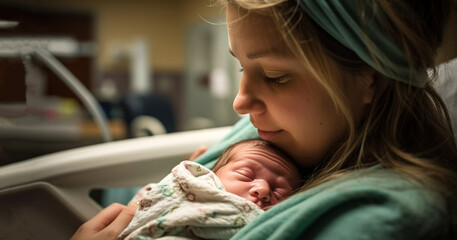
{"x":48,"y":197}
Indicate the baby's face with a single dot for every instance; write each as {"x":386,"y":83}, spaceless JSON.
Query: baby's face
{"x":259,"y":175}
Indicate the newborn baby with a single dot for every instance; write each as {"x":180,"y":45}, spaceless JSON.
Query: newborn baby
{"x":194,"y":202}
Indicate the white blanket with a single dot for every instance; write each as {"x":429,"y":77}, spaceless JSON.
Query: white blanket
{"x":189,"y":203}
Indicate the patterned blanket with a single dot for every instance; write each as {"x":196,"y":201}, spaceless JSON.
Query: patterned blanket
{"x":189,"y":203}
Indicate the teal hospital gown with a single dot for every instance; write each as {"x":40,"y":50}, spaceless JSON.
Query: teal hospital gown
{"x":374,"y":203}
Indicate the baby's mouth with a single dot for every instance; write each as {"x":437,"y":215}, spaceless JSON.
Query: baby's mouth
{"x":264,"y":206}
{"x":267,"y":207}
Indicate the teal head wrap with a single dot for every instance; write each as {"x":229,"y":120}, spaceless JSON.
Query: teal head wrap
{"x":359,"y":30}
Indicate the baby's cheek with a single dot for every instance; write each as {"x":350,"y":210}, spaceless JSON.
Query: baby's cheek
{"x":237,"y":188}
{"x":229,"y":187}
{"x":273,"y":200}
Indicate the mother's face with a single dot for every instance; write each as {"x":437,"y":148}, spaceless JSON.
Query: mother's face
{"x":286,"y":104}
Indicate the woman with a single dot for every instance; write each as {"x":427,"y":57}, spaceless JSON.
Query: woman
{"x":342,"y":87}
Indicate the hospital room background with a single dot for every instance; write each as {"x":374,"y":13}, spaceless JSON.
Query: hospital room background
{"x":153,"y":67}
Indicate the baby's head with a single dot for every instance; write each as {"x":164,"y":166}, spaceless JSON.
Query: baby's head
{"x":259,"y":172}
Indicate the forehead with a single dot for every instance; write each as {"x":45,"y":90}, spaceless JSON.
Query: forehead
{"x":240,"y":19}
{"x":253,"y":31}
{"x":257,"y":151}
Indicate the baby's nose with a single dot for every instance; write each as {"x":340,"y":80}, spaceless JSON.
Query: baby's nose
{"x":261,"y":190}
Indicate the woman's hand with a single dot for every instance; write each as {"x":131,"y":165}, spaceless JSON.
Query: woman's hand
{"x":197,"y":153}
{"x":107,"y":224}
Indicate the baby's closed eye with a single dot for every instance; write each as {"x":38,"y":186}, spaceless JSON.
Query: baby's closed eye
{"x":280,"y":193}
{"x":246,"y":173}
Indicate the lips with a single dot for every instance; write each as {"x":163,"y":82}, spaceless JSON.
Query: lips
{"x":264,"y":134}
{"x":267,"y":135}
{"x":264,"y":206}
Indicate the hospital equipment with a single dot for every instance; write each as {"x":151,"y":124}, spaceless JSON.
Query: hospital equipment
{"x":39,"y":50}
{"x":72,"y":82}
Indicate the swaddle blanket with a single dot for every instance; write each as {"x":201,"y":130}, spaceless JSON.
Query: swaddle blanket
{"x":189,"y":203}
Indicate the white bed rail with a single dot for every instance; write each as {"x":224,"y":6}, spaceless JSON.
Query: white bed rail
{"x":133,"y":162}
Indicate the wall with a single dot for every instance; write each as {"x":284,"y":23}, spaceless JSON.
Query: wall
{"x":162,"y":23}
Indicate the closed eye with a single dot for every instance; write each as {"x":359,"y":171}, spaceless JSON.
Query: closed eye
{"x":246,"y":173}
{"x":276,"y":80}
{"x":279,"y":194}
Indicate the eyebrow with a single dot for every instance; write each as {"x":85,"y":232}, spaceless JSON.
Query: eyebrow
{"x":257,"y":54}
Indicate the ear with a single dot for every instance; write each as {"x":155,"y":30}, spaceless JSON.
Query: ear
{"x":367,"y":86}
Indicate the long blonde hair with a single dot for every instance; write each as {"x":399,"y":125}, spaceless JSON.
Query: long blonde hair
{"x":406,"y":129}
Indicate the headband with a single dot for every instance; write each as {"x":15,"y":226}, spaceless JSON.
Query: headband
{"x":342,"y":19}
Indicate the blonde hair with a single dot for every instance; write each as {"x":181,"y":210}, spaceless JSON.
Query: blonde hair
{"x":406,"y":129}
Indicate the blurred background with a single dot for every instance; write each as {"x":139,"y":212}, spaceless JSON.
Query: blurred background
{"x":154,"y":66}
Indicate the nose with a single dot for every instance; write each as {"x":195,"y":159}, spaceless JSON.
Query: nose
{"x":261,"y":190}
{"x":248,"y":98}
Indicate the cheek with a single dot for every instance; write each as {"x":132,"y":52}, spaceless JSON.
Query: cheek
{"x":237,"y":187}
{"x":313,"y":124}
{"x":302,"y":115}
{"x":317,"y":121}
{"x":230,"y":183}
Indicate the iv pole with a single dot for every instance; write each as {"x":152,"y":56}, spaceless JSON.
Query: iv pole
{"x":67,"y":77}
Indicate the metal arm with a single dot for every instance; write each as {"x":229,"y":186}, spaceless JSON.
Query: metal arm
{"x":67,"y":77}
{"x":74,"y":84}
